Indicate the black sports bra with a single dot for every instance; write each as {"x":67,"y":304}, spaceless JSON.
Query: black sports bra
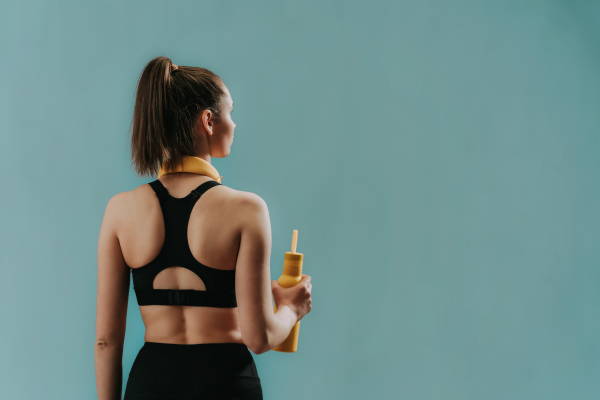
{"x":220,"y":284}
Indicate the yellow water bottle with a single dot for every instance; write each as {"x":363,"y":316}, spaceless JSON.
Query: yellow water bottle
{"x":291,"y":276}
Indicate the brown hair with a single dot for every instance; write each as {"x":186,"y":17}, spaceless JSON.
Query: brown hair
{"x":167,"y":104}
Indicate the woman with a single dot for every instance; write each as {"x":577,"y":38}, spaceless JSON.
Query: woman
{"x":198,"y":252}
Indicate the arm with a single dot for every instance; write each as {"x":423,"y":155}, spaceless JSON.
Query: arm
{"x":261,"y":328}
{"x":111,"y":306}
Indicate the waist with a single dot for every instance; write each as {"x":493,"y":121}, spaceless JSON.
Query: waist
{"x":190,"y":324}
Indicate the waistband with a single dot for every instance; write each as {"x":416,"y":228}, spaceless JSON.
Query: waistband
{"x":193,"y":346}
{"x":201,"y":359}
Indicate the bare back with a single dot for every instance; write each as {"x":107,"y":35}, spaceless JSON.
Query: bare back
{"x":214,"y":238}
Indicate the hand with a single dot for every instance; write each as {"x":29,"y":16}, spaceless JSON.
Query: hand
{"x":297,"y":297}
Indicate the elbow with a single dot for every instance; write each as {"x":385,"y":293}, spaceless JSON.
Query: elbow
{"x":103,"y":342}
{"x":258,"y":346}
{"x":261,"y":349}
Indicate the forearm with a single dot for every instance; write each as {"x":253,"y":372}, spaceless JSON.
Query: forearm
{"x":109,"y":370}
{"x":281,"y":324}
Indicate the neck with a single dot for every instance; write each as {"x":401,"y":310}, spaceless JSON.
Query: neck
{"x":205,"y":157}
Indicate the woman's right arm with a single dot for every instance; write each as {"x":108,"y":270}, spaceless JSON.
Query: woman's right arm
{"x":262,"y":329}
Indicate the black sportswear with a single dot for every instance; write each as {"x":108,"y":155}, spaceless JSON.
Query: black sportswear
{"x":220,"y":284}
{"x":171,"y":371}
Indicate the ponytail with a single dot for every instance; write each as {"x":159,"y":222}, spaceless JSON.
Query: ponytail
{"x":168,"y":101}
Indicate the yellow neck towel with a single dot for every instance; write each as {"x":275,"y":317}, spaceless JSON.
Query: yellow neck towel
{"x":195,"y":165}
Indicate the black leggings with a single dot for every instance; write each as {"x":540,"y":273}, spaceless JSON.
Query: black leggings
{"x":193,"y":371}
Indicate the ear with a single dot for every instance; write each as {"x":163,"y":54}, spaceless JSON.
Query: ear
{"x":206,"y":121}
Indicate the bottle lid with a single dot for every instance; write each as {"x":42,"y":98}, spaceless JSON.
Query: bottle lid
{"x":293,"y":259}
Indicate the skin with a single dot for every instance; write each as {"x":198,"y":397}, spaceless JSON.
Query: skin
{"x":132,"y":234}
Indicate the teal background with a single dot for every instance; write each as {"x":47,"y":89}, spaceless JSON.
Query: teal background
{"x":439,"y":159}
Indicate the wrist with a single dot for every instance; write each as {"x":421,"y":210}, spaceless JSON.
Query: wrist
{"x":290,"y":310}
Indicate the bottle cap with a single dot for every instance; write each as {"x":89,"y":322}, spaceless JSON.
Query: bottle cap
{"x":293,"y":259}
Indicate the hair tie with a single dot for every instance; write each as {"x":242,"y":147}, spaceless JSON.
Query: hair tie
{"x":174,"y":67}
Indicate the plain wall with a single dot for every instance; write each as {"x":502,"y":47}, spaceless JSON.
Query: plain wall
{"x":439,"y":159}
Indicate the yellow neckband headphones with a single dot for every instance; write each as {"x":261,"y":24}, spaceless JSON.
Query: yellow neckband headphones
{"x":194,"y":165}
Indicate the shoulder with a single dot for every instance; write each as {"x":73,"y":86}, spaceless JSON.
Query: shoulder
{"x":244,"y":207}
{"x":113,"y":213}
{"x":247,"y":200}
{"x":118,"y":203}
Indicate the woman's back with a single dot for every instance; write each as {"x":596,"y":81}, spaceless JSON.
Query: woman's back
{"x":198,"y":253}
{"x":213,"y":233}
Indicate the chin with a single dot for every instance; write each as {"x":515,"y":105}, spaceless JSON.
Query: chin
{"x":225,"y":153}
